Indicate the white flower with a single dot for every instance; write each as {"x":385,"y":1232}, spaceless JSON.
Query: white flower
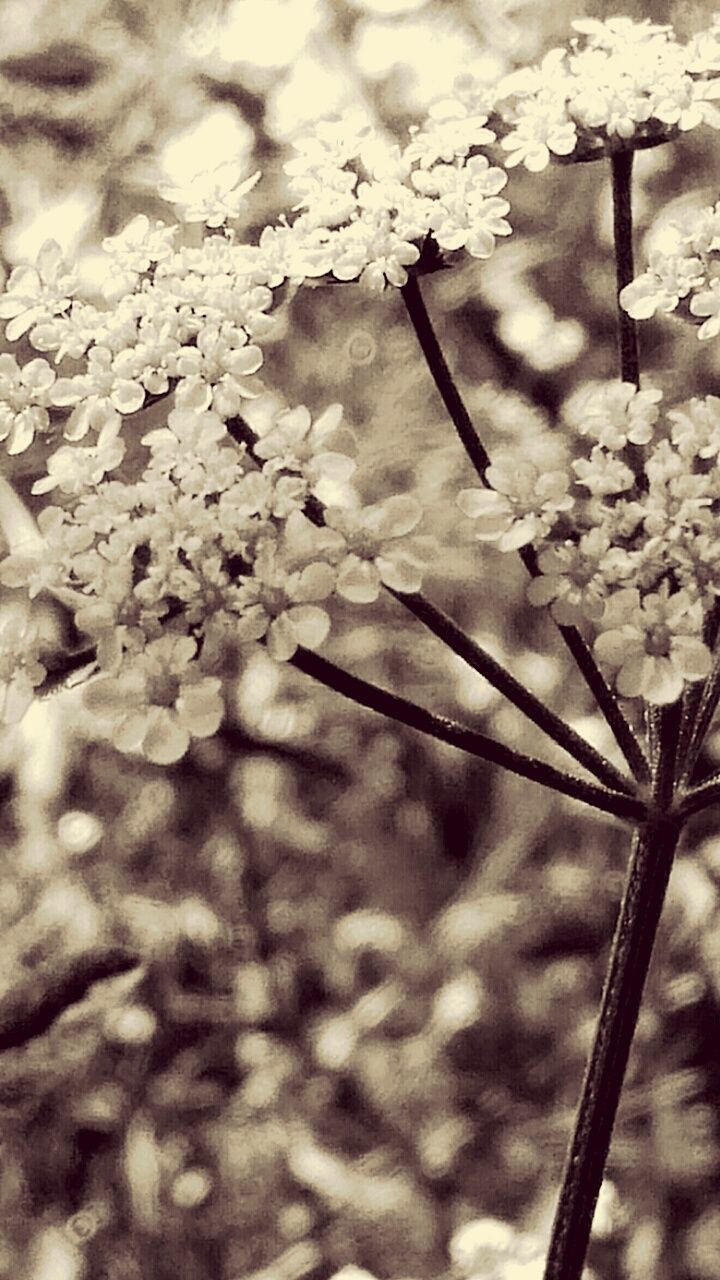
{"x":653,"y":643}
{"x":212,"y":196}
{"x":277,"y":595}
{"x":696,"y":427}
{"x":602,"y":473}
{"x":158,"y":700}
{"x":379,"y":550}
{"x":73,"y":469}
{"x":24,"y":396}
{"x":449,"y":133}
{"x":521,"y":506}
{"x":212,"y":373}
{"x":707,"y":303}
{"x":375,"y":255}
{"x":20,"y":670}
{"x":615,"y":413}
{"x":133,"y":251}
{"x":34,"y":295}
{"x":331,"y":144}
{"x":97,"y":396}
{"x":660,"y":288}
{"x":537,"y":135}
{"x":292,"y":441}
{"x":46,"y":565}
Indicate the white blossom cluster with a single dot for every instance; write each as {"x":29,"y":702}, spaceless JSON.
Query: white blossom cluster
{"x":619,"y":84}
{"x":684,"y":277}
{"x":170,"y":543}
{"x":625,"y":533}
{"x":365,"y":207}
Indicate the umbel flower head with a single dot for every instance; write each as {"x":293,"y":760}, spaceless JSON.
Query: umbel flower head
{"x":625,"y":537}
{"x":169,"y":544}
{"x":365,"y":207}
{"x":618,"y":84}
{"x":685,"y":278}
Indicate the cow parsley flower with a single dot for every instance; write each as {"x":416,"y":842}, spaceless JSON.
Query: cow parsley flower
{"x":368,"y":250}
{"x":521,"y":506}
{"x":706,"y":304}
{"x":668,"y":279}
{"x":74,"y":469}
{"x":158,"y":701}
{"x":614,"y":413}
{"x":653,"y":644}
{"x":20,"y":668}
{"x":452,"y":129}
{"x":618,"y":83}
{"x":213,"y":196}
{"x":684,"y":279}
{"x":379,"y":550}
{"x":98,"y":396}
{"x":294,"y":442}
{"x":34,"y":295}
{"x":140,"y":246}
{"x":212,"y":373}
{"x":290,"y":577}
{"x":24,"y":400}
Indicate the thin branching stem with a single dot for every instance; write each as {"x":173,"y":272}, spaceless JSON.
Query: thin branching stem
{"x":651,"y":860}
{"x":478,"y":455}
{"x":469,"y":740}
{"x":444,"y":380}
{"x":704,"y":712}
{"x":700,"y":797}
{"x":460,"y":643}
{"x":541,"y":715}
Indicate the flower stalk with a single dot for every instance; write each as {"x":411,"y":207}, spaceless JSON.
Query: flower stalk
{"x":477,"y":744}
{"x":478,"y":455}
{"x":621,"y":164}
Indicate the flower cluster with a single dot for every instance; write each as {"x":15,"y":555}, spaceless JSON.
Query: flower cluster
{"x":624,"y":532}
{"x":619,"y":83}
{"x":208,"y":545}
{"x":209,"y":529}
{"x":365,"y":207}
{"x":684,"y":277}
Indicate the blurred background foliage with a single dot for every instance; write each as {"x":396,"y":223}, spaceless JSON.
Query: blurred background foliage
{"x":370,"y":968}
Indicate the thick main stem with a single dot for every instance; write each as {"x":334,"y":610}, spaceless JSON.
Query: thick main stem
{"x":652,"y":857}
{"x":653,"y":851}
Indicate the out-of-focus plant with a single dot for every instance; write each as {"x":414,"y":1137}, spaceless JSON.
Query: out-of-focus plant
{"x":181,"y":544}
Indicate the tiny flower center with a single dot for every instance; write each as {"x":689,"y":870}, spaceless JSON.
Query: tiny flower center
{"x":163,"y":690}
{"x":657,"y":642}
{"x":364,"y":544}
{"x":274,"y":601}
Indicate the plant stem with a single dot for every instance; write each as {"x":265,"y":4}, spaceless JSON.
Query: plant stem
{"x":704,"y":713}
{"x":653,"y":851}
{"x":446,"y":630}
{"x":478,"y":455}
{"x":701,"y":797}
{"x":481,"y":661}
{"x":465,"y":739}
{"x":621,"y":163}
{"x":444,"y":381}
